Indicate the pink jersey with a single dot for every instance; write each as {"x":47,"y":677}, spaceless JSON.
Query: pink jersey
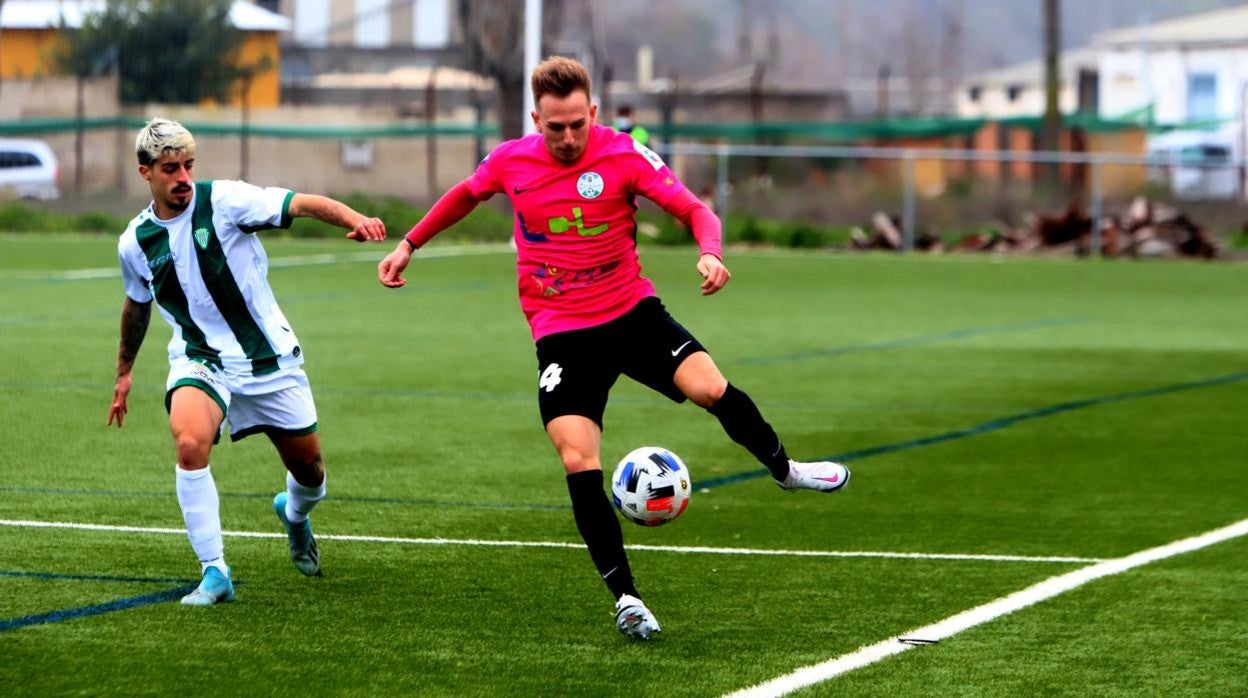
{"x":576,"y":228}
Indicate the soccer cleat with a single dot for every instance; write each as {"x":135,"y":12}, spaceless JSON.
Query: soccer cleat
{"x":215,"y":588}
{"x":634,"y":619}
{"x":820,"y":476}
{"x":303,"y":550}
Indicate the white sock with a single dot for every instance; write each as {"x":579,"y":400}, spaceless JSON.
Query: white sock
{"x":201,"y":510}
{"x":301,"y":499}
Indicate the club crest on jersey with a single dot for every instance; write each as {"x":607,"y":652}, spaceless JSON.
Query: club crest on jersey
{"x":201,"y":238}
{"x":590,"y":185}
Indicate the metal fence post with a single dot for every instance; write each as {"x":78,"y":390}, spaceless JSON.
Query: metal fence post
{"x":907,"y":214}
{"x":1094,"y":210}
{"x":721,"y":182}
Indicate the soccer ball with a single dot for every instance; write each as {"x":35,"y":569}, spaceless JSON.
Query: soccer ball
{"x":650,"y":486}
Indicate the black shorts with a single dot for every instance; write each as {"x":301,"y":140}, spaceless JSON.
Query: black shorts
{"x":576,"y":369}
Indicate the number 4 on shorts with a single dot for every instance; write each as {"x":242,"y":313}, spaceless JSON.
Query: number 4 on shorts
{"x":550,"y":377}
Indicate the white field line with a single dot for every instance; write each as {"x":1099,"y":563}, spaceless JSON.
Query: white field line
{"x":559,"y":544}
{"x":277,"y":262}
{"x":1053,"y":586}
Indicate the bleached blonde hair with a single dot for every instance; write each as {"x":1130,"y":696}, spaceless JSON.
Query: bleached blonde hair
{"x":160,"y":137}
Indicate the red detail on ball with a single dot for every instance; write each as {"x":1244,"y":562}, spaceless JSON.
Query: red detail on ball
{"x":660,"y":504}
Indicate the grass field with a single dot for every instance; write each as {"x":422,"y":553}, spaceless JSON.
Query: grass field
{"x":1007,"y":423}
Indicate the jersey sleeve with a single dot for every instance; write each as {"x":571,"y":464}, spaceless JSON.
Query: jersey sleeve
{"x":649,"y":175}
{"x":252,"y":208}
{"x":135,"y":285}
{"x":486,"y":180}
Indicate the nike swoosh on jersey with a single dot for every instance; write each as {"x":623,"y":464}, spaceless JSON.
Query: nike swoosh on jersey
{"x":678,"y":349}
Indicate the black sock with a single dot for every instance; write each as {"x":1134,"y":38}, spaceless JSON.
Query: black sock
{"x":600,"y":529}
{"x":745,"y":424}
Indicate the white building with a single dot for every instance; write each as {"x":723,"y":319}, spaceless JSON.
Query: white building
{"x":1193,"y":68}
{"x":1018,"y":90}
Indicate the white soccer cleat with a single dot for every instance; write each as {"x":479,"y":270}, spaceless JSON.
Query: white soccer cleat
{"x":820,"y":476}
{"x":634,"y":619}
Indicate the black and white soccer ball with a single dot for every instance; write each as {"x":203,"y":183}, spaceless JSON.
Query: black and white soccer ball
{"x":651,"y":486}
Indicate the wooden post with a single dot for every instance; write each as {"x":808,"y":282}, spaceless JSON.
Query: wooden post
{"x":431,"y":140}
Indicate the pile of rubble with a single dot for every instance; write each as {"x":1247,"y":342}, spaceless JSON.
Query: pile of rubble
{"x":1145,"y":229}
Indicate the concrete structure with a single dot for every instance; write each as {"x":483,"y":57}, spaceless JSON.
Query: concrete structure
{"x":1193,"y":68}
{"x":1018,"y":90}
{"x":31,"y":29}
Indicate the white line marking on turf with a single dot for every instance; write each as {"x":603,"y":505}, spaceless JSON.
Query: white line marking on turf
{"x":275,"y":262}
{"x":817,"y":673}
{"x":560,"y":544}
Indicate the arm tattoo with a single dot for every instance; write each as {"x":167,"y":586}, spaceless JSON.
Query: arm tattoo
{"x":134,"y":319}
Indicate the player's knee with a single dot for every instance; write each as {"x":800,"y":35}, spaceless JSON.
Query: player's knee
{"x":706,"y":394}
{"x":576,"y":461}
{"x":192,"y":452}
{"x":308,"y":471}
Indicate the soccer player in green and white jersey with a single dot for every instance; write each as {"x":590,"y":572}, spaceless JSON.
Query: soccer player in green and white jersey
{"x":194,"y":251}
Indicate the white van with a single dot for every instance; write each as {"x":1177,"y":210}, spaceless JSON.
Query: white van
{"x":1195,"y":164}
{"x":28,"y":170}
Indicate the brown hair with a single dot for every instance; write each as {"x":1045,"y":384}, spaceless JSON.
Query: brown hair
{"x":559,"y":76}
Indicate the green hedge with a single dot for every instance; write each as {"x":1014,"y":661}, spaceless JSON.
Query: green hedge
{"x":748,"y":230}
{"x":485,"y":224}
{"x":24,"y":218}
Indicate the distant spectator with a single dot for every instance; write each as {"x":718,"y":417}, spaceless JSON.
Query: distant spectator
{"x":624,"y":123}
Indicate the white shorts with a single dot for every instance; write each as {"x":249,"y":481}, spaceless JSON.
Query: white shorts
{"x":278,"y":404}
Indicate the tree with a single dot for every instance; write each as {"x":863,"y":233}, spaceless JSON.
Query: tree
{"x":168,"y":51}
{"x":494,"y":43}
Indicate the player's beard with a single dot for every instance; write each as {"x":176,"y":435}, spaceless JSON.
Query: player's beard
{"x":179,"y":200}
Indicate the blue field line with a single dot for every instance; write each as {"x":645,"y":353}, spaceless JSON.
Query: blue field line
{"x":75,"y":613}
{"x":269,"y":496}
{"x":185,"y":587}
{"x":991,"y":425}
{"x":913,"y":341}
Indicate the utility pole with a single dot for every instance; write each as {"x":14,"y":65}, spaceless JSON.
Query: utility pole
{"x":1051,"y":130}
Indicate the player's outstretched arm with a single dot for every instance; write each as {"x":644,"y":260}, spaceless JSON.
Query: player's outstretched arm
{"x":390,"y":270}
{"x":456,"y":203}
{"x":359,"y":227}
{"x":134,"y":319}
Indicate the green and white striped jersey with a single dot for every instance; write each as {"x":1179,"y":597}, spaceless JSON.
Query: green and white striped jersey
{"x":208,"y":274}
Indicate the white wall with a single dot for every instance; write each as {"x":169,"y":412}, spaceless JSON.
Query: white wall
{"x":431,"y":23}
{"x":311,"y":22}
{"x":372,"y":23}
{"x":994,"y":102}
{"x":1130,"y":79}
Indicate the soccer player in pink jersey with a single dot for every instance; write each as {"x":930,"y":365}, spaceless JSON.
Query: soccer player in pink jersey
{"x":593,"y":315}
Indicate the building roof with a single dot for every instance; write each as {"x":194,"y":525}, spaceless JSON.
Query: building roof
{"x":49,"y":14}
{"x":1218,"y":27}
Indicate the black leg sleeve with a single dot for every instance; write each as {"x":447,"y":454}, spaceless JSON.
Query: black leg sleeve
{"x":600,"y":529}
{"x":745,"y":425}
